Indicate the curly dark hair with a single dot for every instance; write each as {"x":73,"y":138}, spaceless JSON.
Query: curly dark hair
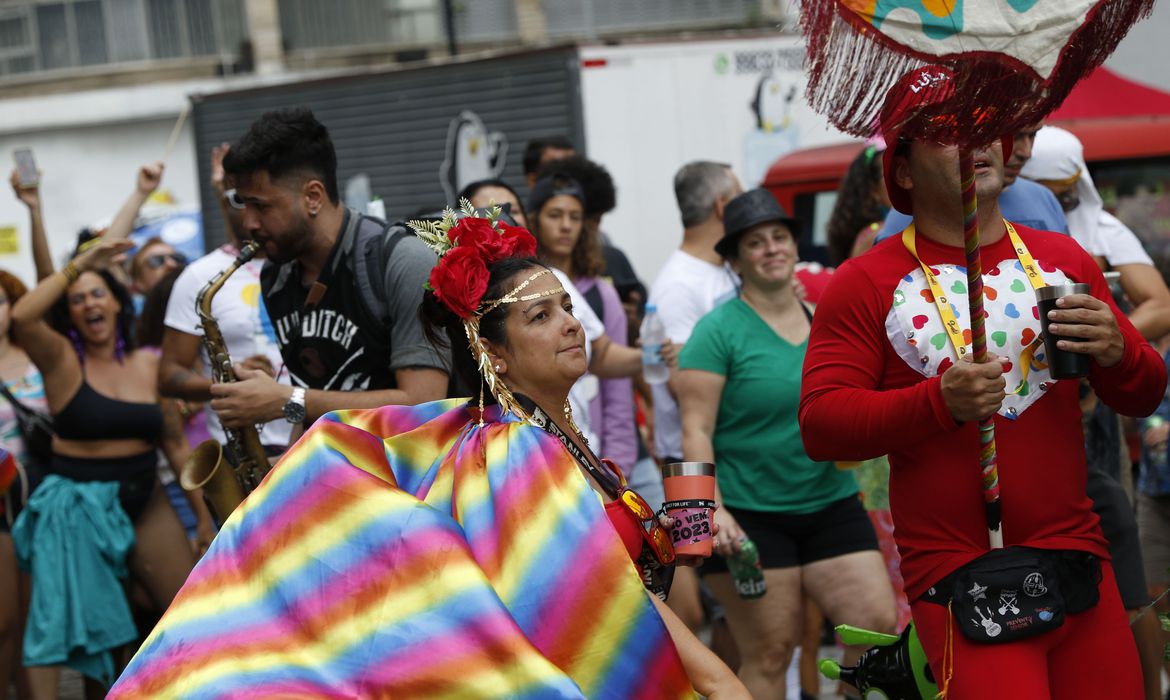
{"x":857,"y":205}
{"x":444,"y":329}
{"x":283,"y":143}
{"x":59,"y":315}
{"x":595,"y":180}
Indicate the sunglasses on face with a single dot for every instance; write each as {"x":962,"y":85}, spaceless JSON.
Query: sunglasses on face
{"x":233,"y":199}
{"x":154,"y":262}
{"x":652,"y":531}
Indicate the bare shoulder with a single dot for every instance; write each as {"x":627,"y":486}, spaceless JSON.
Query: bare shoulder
{"x":145,"y":360}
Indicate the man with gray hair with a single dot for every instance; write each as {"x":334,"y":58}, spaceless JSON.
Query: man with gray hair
{"x":693,"y":281}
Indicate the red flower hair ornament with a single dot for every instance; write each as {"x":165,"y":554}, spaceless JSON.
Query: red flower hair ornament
{"x":467,"y":243}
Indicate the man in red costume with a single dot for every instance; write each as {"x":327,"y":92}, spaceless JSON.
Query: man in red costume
{"x":882,"y":377}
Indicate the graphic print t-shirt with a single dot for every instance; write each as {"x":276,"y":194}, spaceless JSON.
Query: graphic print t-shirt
{"x":335,"y":344}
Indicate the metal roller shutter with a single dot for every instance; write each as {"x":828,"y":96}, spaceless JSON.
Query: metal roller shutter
{"x":392,"y":125}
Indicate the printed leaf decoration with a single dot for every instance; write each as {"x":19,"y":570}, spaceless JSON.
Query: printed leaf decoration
{"x":434,"y":233}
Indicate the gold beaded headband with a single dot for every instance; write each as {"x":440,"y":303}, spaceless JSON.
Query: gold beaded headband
{"x":483,"y":362}
{"x":511,"y":298}
{"x":465,"y":236}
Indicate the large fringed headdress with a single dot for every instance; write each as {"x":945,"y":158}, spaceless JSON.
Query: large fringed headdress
{"x":1013,"y":61}
{"x":467,"y":242}
{"x":1001,"y":64}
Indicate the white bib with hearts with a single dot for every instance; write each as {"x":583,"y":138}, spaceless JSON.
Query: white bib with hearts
{"x":915,"y":328}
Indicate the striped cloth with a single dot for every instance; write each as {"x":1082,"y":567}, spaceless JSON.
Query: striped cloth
{"x":407,"y":552}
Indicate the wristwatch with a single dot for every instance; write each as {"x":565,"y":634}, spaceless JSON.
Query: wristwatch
{"x":294,"y":408}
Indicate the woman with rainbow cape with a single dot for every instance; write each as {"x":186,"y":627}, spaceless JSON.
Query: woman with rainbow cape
{"x":461,"y":549}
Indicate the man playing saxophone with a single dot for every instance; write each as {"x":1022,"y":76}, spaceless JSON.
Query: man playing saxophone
{"x":185,"y":368}
{"x":343,"y":289}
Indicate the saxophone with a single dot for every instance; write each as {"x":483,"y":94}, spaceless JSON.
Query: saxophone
{"x":224,"y":487}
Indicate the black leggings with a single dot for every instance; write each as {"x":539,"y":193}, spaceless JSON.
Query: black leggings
{"x":136,"y":476}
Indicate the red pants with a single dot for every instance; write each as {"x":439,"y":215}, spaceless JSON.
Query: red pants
{"x":1091,"y":656}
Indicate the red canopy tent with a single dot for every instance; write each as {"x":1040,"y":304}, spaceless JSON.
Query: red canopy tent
{"x":1105,"y":94}
{"x":1116,"y":118}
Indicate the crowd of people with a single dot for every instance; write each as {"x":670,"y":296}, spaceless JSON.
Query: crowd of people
{"x":465,"y":443}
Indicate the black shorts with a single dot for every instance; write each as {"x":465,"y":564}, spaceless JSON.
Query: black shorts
{"x":787,"y":540}
{"x":136,"y":475}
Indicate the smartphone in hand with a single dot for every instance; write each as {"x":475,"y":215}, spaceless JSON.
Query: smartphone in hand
{"x":26,"y":167}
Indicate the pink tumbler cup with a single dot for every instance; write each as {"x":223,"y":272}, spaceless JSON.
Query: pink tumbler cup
{"x":690,"y":504}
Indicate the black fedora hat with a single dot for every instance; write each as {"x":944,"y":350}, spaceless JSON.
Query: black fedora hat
{"x":750,"y":209}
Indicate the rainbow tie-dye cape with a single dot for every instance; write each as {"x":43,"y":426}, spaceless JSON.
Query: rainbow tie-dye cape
{"x":407,"y":552}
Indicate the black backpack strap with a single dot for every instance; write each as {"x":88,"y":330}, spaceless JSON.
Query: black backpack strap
{"x":375,"y":241}
{"x":16,"y":404}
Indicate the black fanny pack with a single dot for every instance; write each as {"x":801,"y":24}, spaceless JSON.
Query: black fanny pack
{"x":1018,"y":592}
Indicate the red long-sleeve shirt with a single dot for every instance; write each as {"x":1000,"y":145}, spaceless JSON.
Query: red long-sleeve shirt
{"x":861,"y":398}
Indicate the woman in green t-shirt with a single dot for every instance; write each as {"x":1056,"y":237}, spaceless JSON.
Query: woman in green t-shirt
{"x":739,"y":391}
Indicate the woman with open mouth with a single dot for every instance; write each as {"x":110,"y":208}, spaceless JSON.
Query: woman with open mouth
{"x":100,"y":513}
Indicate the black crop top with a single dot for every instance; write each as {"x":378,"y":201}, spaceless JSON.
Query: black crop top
{"x":93,"y":416}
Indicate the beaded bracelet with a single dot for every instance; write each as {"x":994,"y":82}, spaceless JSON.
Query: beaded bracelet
{"x":71,"y":272}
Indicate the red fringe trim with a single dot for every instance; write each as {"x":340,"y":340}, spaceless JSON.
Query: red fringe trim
{"x":851,"y":68}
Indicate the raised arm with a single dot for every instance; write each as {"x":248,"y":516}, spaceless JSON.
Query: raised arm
{"x":50,"y":351}
{"x":31,"y":198}
{"x":231,"y":217}
{"x":149,"y":178}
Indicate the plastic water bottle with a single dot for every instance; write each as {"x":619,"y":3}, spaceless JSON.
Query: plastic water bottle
{"x":746,"y":571}
{"x":653,"y":333}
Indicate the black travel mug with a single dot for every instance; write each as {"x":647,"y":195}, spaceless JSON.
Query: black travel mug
{"x":1062,"y":364}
